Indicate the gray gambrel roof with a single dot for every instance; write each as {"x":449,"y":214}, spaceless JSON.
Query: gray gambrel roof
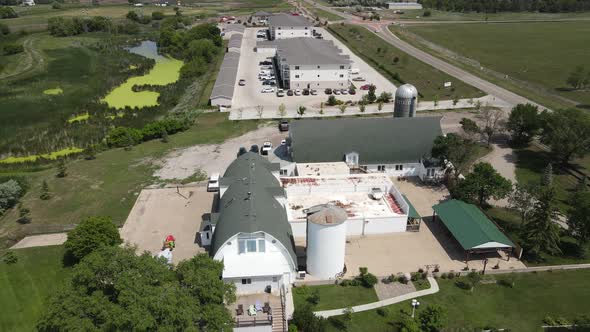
{"x":310,"y":51}
{"x":249,"y":204}
{"x":235,"y":41}
{"x":226,"y":78}
{"x":288,"y":20}
{"x":377,"y":140}
{"x":234,"y":28}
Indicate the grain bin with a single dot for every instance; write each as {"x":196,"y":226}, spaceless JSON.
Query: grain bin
{"x":326,"y":241}
{"x":406,"y":99}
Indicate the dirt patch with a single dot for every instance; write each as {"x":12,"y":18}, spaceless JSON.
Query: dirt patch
{"x":212,"y":158}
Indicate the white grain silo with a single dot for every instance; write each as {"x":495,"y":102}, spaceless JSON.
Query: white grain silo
{"x":326,"y":241}
{"x":406,"y":100}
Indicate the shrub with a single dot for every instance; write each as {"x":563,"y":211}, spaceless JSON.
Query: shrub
{"x":132,"y":15}
{"x":123,"y":137}
{"x":332,"y":101}
{"x":157,"y":16}
{"x":9,"y":258}
{"x":10,"y":193}
{"x":381,"y":312}
{"x":4,"y":29}
{"x":91,"y":234}
{"x":427,"y":13}
{"x":129,"y":28}
{"x":403,"y":279}
{"x":365,"y":278}
{"x":56,"y":5}
{"x":7,"y":12}
{"x":10,"y":49}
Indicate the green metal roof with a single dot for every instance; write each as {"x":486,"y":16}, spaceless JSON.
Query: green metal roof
{"x":376,"y":140}
{"x":249,"y":205}
{"x":469,"y":225}
{"x":412,"y":213}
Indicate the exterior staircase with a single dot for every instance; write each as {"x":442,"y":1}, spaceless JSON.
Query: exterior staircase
{"x":278,"y":317}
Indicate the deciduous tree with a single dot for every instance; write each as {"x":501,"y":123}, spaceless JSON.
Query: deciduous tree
{"x":432,"y":318}
{"x":91,"y":234}
{"x":470,"y":128}
{"x":579,"y":218}
{"x":483,"y":183}
{"x":567,"y":132}
{"x":114,"y":289}
{"x":454,"y":149}
{"x":523,"y":123}
{"x":493,"y":122}
{"x":522,"y":199}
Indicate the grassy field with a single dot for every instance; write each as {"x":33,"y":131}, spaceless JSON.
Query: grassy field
{"x":109,"y":184}
{"x":522,"y":308}
{"x":25,"y":286}
{"x":542,"y":55}
{"x":35,"y":18}
{"x":438,"y":15}
{"x":324,"y":15}
{"x":335,"y":296}
{"x":379,"y":54}
{"x":33,"y":120}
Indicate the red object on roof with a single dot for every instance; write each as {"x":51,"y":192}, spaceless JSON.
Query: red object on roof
{"x":295,"y":14}
{"x":170,"y":238}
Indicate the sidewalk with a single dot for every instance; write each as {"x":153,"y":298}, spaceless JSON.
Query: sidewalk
{"x":41,"y":240}
{"x":251,"y":113}
{"x":370,"y":306}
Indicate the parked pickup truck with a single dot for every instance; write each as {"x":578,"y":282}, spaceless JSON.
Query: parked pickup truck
{"x":266,"y":148}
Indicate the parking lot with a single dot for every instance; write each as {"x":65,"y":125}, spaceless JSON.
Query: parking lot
{"x":250,"y":95}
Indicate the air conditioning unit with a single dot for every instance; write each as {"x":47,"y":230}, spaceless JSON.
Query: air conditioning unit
{"x":301,"y":275}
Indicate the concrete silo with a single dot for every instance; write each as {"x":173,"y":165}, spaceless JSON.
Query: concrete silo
{"x":406,"y":100}
{"x":326,"y":241}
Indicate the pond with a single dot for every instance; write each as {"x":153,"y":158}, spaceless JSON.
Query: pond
{"x":165,"y":71}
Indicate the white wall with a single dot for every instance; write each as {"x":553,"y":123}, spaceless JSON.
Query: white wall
{"x":408,"y":169}
{"x":354,"y":226}
{"x":285,"y":32}
{"x":258,"y":266}
{"x":221,"y":101}
{"x":258,"y":285}
{"x":319,"y":73}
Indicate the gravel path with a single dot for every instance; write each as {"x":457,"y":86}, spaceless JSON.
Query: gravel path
{"x":212,"y":158}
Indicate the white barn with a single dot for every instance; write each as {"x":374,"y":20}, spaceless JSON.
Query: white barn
{"x":250,"y":233}
{"x":394,"y":146}
{"x":284,"y":26}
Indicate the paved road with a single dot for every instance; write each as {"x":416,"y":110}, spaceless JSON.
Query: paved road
{"x":384,"y":32}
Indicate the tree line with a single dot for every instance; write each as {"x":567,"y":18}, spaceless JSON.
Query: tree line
{"x":493,"y":6}
{"x":567,"y":134}
{"x":112,"y":288}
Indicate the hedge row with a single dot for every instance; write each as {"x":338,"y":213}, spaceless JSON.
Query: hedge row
{"x":125,"y":136}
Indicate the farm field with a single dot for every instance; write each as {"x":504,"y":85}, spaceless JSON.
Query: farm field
{"x":324,"y":15}
{"x":107,"y":185}
{"x":541,"y":55}
{"x":439,"y":15}
{"x":381,"y":55}
{"x":522,"y":308}
{"x":165,"y":71}
{"x":25,"y":285}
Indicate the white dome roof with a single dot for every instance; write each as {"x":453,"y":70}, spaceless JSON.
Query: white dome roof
{"x":406,"y":91}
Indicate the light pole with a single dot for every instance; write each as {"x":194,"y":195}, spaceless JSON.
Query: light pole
{"x":415,"y":304}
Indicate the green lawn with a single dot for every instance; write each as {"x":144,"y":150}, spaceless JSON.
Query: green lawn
{"x":522,"y":308}
{"x":324,"y":15}
{"x":109,"y":184}
{"x":25,"y":286}
{"x":335,"y":296}
{"x":540,"y":54}
{"x":380,"y":54}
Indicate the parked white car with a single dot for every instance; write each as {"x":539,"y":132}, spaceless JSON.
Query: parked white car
{"x":280,"y":93}
{"x":298,"y":92}
{"x":267,"y":90}
{"x":266,"y":148}
{"x":213,"y":183}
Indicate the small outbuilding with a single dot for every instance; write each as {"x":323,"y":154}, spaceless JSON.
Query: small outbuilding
{"x":472,"y":229}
